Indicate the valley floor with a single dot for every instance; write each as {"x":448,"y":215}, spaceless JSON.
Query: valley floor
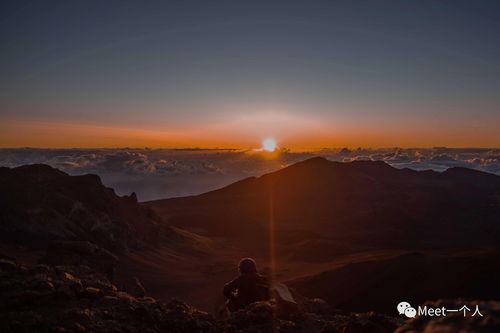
{"x":199,"y":279}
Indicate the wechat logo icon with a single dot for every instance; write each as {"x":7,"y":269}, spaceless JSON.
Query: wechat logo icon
{"x":406,"y":309}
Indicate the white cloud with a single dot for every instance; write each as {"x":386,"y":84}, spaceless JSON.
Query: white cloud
{"x":161,"y":173}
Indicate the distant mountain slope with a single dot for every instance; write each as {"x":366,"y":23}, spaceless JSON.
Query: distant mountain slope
{"x":39,"y":203}
{"x":346,"y":206}
{"x":378,"y":285}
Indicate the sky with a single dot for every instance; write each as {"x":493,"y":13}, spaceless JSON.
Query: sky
{"x":309,"y":74}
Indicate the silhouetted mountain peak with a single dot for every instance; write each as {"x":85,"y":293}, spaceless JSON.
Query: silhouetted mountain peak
{"x":317,"y":160}
{"x":39,"y":203}
{"x":360,"y":203}
{"x":39,"y":168}
{"x":312,"y":166}
{"x":40,"y":171}
{"x":318,"y":172}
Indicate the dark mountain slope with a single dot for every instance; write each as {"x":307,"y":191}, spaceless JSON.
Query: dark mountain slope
{"x":39,"y":203}
{"x":348,"y":206}
{"x":378,"y":285}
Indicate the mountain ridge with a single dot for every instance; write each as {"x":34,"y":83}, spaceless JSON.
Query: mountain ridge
{"x":369,"y":203}
{"x":358,"y":166}
{"x":39,"y":204}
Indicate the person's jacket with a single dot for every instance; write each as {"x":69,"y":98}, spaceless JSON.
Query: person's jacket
{"x":249,"y":288}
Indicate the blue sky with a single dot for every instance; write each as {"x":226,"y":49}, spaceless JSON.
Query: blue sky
{"x":425,"y":71}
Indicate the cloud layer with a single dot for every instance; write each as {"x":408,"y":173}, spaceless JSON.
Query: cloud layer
{"x":162,"y":173}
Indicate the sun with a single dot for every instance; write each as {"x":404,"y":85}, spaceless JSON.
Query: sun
{"x":269,"y":145}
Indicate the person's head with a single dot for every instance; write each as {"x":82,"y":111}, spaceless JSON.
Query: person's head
{"x":247,"y":266}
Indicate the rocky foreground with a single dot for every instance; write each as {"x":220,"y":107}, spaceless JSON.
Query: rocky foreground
{"x":42,"y":298}
{"x":77,"y":298}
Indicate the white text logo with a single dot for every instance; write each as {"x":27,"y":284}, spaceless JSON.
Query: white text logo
{"x":404,"y":308}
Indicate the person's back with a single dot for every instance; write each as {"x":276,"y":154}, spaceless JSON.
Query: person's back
{"x":247,"y":288}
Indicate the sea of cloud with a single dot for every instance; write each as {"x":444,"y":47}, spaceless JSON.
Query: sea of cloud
{"x":163,"y":173}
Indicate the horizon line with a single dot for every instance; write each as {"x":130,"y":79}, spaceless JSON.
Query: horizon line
{"x":280,"y":149}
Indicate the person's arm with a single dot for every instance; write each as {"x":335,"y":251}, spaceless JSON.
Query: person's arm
{"x":230,"y":287}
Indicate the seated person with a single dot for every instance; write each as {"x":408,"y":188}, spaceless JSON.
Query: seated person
{"x":247,"y":288}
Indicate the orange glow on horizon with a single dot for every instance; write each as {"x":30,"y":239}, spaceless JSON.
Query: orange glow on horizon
{"x":238,"y":134}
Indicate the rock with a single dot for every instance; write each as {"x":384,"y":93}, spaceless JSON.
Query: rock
{"x":371,"y":323}
{"x":7,"y":264}
{"x":137,"y":290}
{"x":78,"y":253}
{"x":316,"y":305}
{"x":66,"y":285}
{"x":133,"y":197}
{"x":79,"y":328}
{"x":257,"y":317}
{"x":91,"y":293}
{"x":65,"y":299}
